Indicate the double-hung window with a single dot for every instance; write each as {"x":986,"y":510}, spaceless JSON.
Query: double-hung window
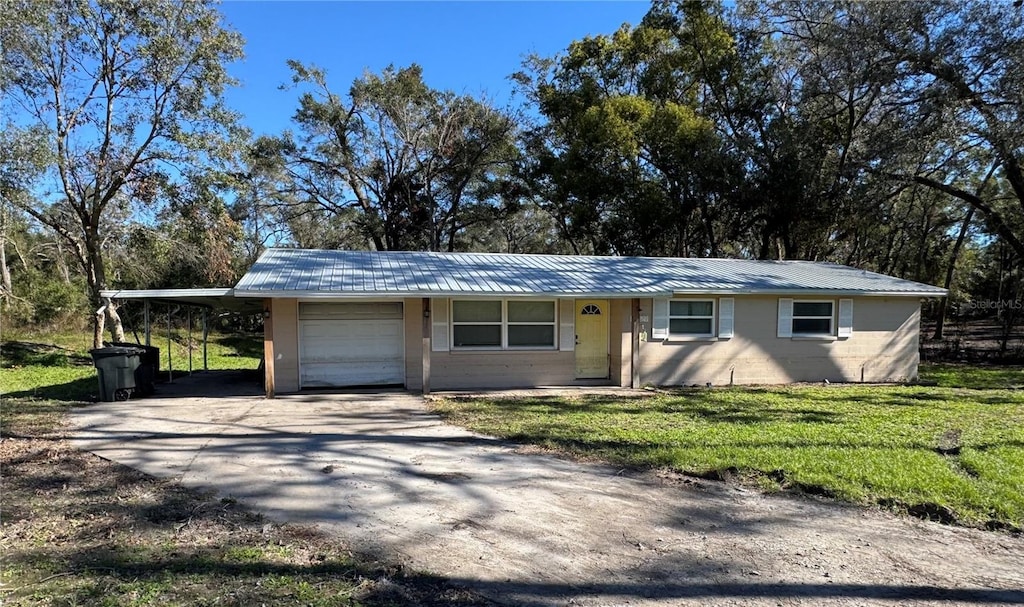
{"x":531,"y":324}
{"x":812,"y":317}
{"x":476,"y":324}
{"x":503,"y":324}
{"x":691,"y":317}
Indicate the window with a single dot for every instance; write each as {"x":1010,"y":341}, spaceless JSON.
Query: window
{"x":495,"y":324}
{"x":812,"y":318}
{"x":691,"y":317}
{"x":531,"y":324}
{"x":476,"y":324}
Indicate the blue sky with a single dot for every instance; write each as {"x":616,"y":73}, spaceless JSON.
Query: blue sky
{"x":468,"y":47}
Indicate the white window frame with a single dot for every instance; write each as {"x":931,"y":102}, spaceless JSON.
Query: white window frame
{"x":553,"y":323}
{"x":504,"y":324}
{"x":711,"y":317}
{"x":453,"y":323}
{"x":831,"y":318}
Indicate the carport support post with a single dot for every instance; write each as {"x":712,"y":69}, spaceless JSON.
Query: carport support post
{"x":634,"y":349}
{"x":268,"y":347}
{"x":170,"y":366}
{"x":189,"y":341}
{"x":145,"y":315}
{"x":206,"y":332}
{"x":426,"y":345}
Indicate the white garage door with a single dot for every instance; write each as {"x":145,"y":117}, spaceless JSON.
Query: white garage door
{"x":351,"y":344}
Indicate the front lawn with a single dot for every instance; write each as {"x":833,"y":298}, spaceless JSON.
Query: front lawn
{"x":954,"y":454}
{"x":972,"y":376}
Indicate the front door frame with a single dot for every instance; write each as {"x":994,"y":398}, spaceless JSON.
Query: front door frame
{"x":590,"y":369}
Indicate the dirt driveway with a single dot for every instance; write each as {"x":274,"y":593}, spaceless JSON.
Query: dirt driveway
{"x":381,"y":472}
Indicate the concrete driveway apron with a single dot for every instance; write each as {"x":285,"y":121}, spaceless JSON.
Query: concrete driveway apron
{"x":381,"y":472}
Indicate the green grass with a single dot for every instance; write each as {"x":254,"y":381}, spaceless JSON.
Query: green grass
{"x":943,"y":451}
{"x":968,"y":376}
{"x":57,"y":366}
{"x":224,"y":351}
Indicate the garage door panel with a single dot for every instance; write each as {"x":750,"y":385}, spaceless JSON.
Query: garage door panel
{"x":361,"y":373}
{"x":345,"y":340}
{"x":352,"y":351}
{"x":350,"y":311}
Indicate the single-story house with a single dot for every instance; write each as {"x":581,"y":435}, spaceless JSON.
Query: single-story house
{"x":481,"y":320}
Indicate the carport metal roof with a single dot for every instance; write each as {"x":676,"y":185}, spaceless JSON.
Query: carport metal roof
{"x":219,"y":298}
{"x":206,"y":299}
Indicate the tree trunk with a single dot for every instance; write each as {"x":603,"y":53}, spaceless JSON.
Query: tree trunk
{"x":709,"y":229}
{"x":116,"y":327}
{"x":97,"y":328}
{"x":96,"y":279}
{"x":766,"y":244}
{"x":922,"y":246}
{"x":950,"y":269}
{"x":1001,"y":313}
{"x":5,"y":272}
{"x":996,"y":220}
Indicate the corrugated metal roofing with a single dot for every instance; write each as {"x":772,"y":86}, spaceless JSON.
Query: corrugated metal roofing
{"x":313,"y":273}
{"x":222,"y":298}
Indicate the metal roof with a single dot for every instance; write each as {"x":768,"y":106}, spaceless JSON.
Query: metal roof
{"x":220,"y":298}
{"x":318,"y":273}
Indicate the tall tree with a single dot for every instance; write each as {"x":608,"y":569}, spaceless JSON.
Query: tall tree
{"x":23,"y":157}
{"x":947,"y":78}
{"x":405,"y":165}
{"x":625,"y":160}
{"x":129,"y":95}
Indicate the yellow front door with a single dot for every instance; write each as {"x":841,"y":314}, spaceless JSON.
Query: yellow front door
{"x":591,"y":338}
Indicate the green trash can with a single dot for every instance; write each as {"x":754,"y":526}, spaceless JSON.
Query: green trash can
{"x":116,"y":367}
{"x":149,"y":366}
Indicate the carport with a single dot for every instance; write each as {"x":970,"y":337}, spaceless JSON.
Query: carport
{"x":205,"y":301}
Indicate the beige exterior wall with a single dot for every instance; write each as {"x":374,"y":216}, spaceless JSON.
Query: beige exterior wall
{"x":620,"y":335}
{"x":413,"y":343}
{"x":286,"y":344}
{"x":494,"y":369}
{"x":883,"y":347}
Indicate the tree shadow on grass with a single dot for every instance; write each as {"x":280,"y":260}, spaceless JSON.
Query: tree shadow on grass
{"x":198,"y":575}
{"x":113,"y":531}
{"x":23,"y":353}
{"x":716,"y":411}
{"x":248,"y":346}
{"x":82,"y":390}
{"x":748,"y":414}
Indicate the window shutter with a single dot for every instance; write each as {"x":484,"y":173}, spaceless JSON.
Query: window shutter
{"x":785,"y":317}
{"x":566,"y":325}
{"x":439,"y":324}
{"x":845,"y":317}
{"x":659,"y":330}
{"x":725,"y":317}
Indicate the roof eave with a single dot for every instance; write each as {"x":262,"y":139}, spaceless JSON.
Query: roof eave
{"x":277,"y":294}
{"x":165,"y":293}
{"x":283,"y":293}
{"x":812,"y":292}
{"x":209,"y":298}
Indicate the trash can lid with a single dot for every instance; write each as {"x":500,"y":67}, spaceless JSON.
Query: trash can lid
{"x":128,"y":344}
{"x":115,"y":351}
